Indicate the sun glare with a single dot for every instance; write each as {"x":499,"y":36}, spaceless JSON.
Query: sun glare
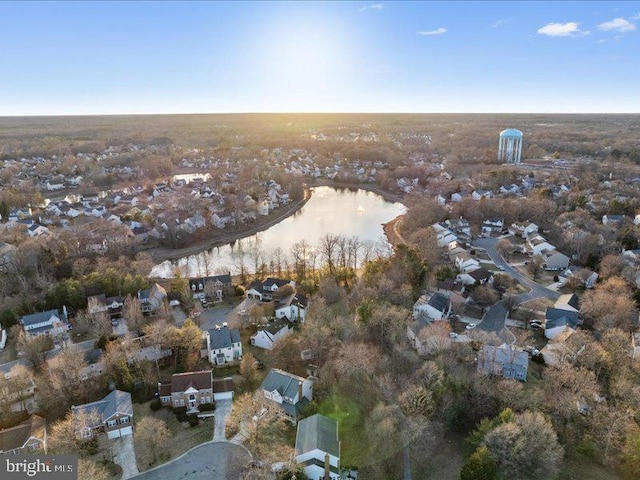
{"x":302,"y":63}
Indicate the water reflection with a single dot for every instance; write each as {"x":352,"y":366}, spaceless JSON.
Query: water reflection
{"x":336,"y":211}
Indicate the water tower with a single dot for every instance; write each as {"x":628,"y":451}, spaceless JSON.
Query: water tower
{"x":510,"y":147}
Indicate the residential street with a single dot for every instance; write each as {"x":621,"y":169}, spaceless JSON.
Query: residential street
{"x":494,"y":318}
{"x":209,"y":461}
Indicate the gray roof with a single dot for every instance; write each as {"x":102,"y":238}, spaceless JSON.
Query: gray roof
{"x":40,"y":317}
{"x":557,"y":317}
{"x":285,"y":383}
{"x":504,"y":355}
{"x":570,"y":299}
{"x":439,"y":302}
{"x":223,"y":337}
{"x":318,"y":432}
{"x":274,"y":327}
{"x":116,"y":402}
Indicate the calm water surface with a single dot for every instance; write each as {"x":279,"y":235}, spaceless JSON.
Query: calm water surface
{"x":336,"y":211}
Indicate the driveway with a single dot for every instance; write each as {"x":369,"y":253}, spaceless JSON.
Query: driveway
{"x":494,"y":318}
{"x":209,"y":461}
{"x":223,"y":409}
{"x":125,"y":455}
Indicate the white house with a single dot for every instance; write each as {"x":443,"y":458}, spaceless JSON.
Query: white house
{"x":35,"y":230}
{"x":538,"y":245}
{"x":263,"y":208}
{"x":264,"y":290}
{"x":286,"y":394}
{"x":318,"y":447}
{"x":434,"y":306}
{"x":223,"y":345}
{"x":293,"y":307}
{"x":267,"y":336}
{"x":490,"y":226}
{"x":524,"y":230}
{"x":473,"y":277}
{"x":50,"y":322}
{"x":559,"y":321}
{"x":465,"y":262}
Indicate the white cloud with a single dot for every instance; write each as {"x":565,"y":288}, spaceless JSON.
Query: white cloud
{"x":437,"y":31}
{"x":560,"y":29}
{"x":617,"y":25}
{"x":373,"y":6}
{"x":500,"y":22}
{"x":636,"y":16}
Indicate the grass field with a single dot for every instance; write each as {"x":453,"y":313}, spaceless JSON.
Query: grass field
{"x":354,"y":450}
{"x":584,"y":470}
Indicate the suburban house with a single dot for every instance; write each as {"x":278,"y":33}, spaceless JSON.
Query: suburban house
{"x":189,"y":390}
{"x":465,"y":262}
{"x":28,"y":437}
{"x":318,"y":447}
{"x":505,"y":361}
{"x":102,"y":303}
{"x":292,"y":307}
{"x":558,"y":320}
{"x":584,"y":276}
{"x":95,"y":363}
{"x":223,"y":345}
{"x":50,"y":322}
{"x":537,"y":245}
{"x":286,"y":394}
{"x":432,"y":306}
{"x":426,"y":341}
{"x":475,"y":277}
{"x":555,"y":260}
{"x":151,"y":300}
{"x":268,"y":335}
{"x":568,"y":301}
{"x":112,"y":415}
{"x":218,"y":285}
{"x":223,"y":388}
{"x":264,"y":291}
{"x":35,"y":230}
{"x":492,"y":225}
{"x":523,"y":230}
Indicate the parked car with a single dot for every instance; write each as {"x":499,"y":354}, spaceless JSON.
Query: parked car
{"x":470,"y":326}
{"x":453,"y":335}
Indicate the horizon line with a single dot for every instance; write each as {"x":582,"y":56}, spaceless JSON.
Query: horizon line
{"x":132,"y":114}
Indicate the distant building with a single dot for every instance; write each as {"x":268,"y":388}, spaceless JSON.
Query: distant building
{"x":510,"y":146}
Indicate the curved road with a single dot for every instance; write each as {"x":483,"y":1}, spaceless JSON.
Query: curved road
{"x":494,"y":319}
{"x":209,"y":461}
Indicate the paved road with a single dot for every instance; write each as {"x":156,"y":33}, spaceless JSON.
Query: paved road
{"x":209,"y":461}
{"x":494,"y":318}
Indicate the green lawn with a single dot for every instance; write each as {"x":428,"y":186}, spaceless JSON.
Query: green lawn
{"x":354,"y":451}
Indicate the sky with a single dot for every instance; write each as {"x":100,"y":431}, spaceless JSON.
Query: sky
{"x":81,"y":58}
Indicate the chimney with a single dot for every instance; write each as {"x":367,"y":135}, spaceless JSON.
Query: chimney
{"x":299,"y":391}
{"x":327,"y":467}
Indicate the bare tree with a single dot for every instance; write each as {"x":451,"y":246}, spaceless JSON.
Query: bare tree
{"x":152,"y":435}
{"x":133,"y":315}
{"x":35,"y":348}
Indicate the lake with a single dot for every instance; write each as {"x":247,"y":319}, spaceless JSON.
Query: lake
{"x":329,"y":210}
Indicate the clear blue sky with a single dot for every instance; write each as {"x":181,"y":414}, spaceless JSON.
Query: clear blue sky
{"x":165,"y":57}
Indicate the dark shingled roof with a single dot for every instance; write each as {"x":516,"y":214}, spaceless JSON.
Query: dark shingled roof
{"x":223,"y":337}
{"x":318,"y":432}
{"x":223,"y":385}
{"x":285,"y":383}
{"x":439,"y":302}
{"x":557,"y":317}
{"x":16,"y":437}
{"x":181,"y":382}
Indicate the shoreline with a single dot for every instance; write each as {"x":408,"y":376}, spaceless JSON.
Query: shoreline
{"x":161,"y":254}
